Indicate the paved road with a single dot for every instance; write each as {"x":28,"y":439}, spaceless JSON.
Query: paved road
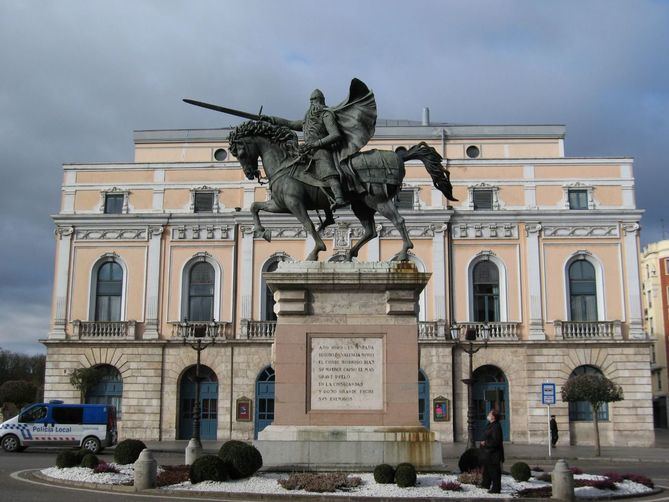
{"x":15,"y":490}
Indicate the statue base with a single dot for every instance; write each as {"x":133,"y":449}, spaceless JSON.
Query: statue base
{"x":346,"y":362}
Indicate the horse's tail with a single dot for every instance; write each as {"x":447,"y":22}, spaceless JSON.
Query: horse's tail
{"x":432,"y":161}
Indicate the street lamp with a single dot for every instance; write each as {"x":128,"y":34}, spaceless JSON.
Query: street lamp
{"x":199,"y":338}
{"x":471,"y":335}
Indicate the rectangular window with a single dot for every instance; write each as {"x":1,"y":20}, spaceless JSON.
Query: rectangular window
{"x":114,"y":203}
{"x":67,"y":415}
{"x":578,"y":199}
{"x":482,"y":200}
{"x":204,"y":202}
{"x":404,"y":199}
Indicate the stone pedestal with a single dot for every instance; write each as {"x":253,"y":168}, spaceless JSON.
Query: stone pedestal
{"x":346,"y":361}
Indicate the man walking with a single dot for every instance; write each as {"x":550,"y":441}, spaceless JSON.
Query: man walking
{"x":554,"y":431}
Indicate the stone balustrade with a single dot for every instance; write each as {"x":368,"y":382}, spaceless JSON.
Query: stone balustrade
{"x":193,"y":329}
{"x":103,"y":329}
{"x":440,"y":330}
{"x":570,"y":330}
{"x":257,"y":330}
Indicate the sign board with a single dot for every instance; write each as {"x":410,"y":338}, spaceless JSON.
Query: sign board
{"x":244,"y":409}
{"x":441,"y":409}
{"x":548,"y":393}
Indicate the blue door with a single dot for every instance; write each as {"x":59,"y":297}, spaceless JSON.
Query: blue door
{"x":264,"y":414}
{"x":423,"y":399}
{"x":491,"y":392}
{"x":208,"y":403}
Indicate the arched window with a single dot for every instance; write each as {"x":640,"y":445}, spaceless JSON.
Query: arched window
{"x":201,"y":283}
{"x":108,"y":292}
{"x":582,"y":291}
{"x":109,"y":390}
{"x":581,"y":411}
{"x":485,"y":284}
{"x":264,"y":399}
{"x":423,"y":399}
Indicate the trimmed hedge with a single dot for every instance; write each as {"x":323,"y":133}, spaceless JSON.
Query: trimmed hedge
{"x":208,"y":468}
{"x":469,"y":460}
{"x":242,"y":459}
{"x":81,"y":453}
{"x":67,"y":458}
{"x":91,"y":461}
{"x":405,"y":475}
{"x":384,"y":474}
{"x":521,"y":471}
{"x":127,"y":451}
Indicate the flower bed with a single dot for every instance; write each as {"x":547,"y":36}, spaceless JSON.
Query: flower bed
{"x":428,"y":485}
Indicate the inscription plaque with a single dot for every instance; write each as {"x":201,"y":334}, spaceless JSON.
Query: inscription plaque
{"x":347,"y":373}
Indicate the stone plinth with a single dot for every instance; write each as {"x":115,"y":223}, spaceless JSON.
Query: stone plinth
{"x":346,"y":361}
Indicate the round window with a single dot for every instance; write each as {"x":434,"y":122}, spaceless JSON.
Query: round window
{"x":473,"y":151}
{"x":220,"y":154}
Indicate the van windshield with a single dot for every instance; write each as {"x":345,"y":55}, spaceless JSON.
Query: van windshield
{"x":33,"y":414}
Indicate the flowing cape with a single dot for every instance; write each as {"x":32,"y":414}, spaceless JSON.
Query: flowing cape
{"x":356,"y":117}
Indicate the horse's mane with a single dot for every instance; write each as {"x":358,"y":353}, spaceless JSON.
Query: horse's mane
{"x":280,"y":135}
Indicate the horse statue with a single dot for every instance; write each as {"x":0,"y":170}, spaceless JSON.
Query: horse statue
{"x":295,"y":191}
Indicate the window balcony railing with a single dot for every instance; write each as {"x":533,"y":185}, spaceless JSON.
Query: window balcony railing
{"x":579,"y":330}
{"x":195,"y":329}
{"x":103,"y":329}
{"x":441,"y":330}
{"x":257,"y":330}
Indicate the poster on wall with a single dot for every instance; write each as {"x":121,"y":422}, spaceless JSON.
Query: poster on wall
{"x":440,"y":406}
{"x":243,"y":409}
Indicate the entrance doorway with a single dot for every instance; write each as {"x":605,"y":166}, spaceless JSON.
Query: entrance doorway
{"x":208,"y":403}
{"x":423,"y":399}
{"x":264,"y":400}
{"x":491,"y":392}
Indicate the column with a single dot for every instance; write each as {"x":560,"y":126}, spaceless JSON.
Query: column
{"x":246,"y":279}
{"x":631,"y":246}
{"x":151,"y":331}
{"x":536,"y":324}
{"x":439,"y":272}
{"x":64,"y":235}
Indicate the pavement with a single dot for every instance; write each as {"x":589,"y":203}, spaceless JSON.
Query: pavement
{"x":512,"y":451}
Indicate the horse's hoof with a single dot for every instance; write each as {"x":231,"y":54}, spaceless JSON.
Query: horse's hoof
{"x":267,"y":235}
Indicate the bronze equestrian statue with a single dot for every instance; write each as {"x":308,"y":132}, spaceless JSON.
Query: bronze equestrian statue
{"x":329,"y":171}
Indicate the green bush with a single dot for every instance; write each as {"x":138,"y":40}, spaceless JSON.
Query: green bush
{"x":67,"y":458}
{"x":90,"y":460}
{"x":127,"y":451}
{"x":521,"y":471}
{"x":469,"y":460}
{"x":81,"y":453}
{"x":242,"y":459}
{"x":384,"y":474}
{"x":208,"y":468}
{"x":405,"y":475}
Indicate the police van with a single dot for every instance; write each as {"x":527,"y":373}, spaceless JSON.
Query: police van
{"x":89,"y":426}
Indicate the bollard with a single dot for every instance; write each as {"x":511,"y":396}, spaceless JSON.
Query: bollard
{"x":146,"y":470}
{"x":562,"y":480}
{"x":193,"y":451}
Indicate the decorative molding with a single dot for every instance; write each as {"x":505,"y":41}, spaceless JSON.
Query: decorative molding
{"x":485,"y":255}
{"x":342,"y":237}
{"x":156,"y":231}
{"x":581,"y":231}
{"x":114,"y":191}
{"x":201,"y":232}
{"x":417,"y":231}
{"x":532,"y":228}
{"x":485,"y":231}
{"x":111,"y":234}
{"x":64,"y":232}
{"x":631,"y":228}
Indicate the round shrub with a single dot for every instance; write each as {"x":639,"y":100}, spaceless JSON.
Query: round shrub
{"x":81,"y":453}
{"x":242,"y":459}
{"x":469,"y":460}
{"x":91,"y":461}
{"x":405,"y":475}
{"x":384,"y":474}
{"x":521,"y":471}
{"x":67,"y":458}
{"x":208,"y":468}
{"x":128,"y":450}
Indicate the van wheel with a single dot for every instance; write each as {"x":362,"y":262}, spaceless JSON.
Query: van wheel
{"x":91,"y":444}
{"x":11,"y":443}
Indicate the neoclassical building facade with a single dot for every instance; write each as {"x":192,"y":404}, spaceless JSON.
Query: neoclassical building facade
{"x":541,"y":248}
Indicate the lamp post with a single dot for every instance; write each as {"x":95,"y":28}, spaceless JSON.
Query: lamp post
{"x":470,"y":350}
{"x":198,"y":341}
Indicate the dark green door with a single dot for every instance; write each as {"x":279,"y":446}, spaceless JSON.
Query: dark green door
{"x":208,"y":403}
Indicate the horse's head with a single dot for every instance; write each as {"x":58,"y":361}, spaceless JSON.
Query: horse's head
{"x":248,"y":140}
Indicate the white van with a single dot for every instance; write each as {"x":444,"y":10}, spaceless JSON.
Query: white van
{"x":89,"y":426}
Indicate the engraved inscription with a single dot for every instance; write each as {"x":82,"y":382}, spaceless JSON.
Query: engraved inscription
{"x":347,"y":373}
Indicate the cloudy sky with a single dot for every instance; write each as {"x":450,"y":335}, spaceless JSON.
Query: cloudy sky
{"x":76,"y":78}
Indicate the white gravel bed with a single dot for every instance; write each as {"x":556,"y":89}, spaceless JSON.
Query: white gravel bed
{"x":267,"y":483}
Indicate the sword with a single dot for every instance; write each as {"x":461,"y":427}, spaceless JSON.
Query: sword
{"x":229,"y":111}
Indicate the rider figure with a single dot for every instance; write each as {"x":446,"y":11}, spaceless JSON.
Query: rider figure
{"x":320,"y":133}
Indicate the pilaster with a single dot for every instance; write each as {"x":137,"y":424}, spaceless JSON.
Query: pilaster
{"x":536,"y":324}
{"x":152,"y":283}
{"x":64,"y":235}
